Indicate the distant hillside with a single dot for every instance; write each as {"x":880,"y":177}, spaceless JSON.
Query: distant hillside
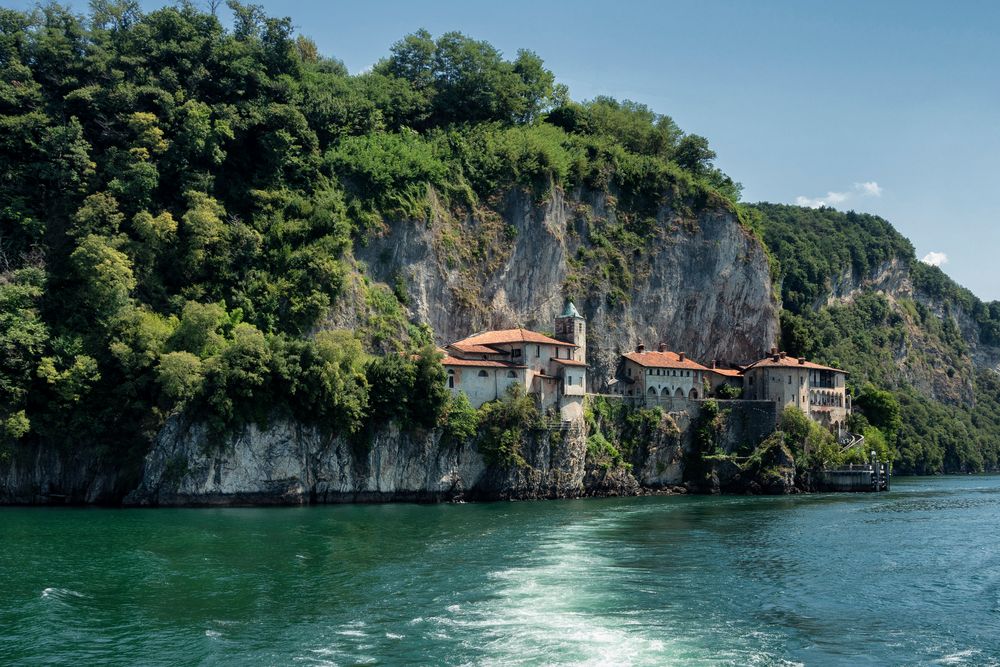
{"x":854,"y":295}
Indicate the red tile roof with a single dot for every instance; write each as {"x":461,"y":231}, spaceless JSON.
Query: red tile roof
{"x":570,"y":362}
{"x":790,"y":362}
{"x":729,"y":372}
{"x":507,"y":336}
{"x":478,"y":363}
{"x":667,"y":359}
{"x":473,"y":349}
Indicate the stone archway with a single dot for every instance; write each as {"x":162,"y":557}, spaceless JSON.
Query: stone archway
{"x":693,"y":393}
{"x":679,"y":393}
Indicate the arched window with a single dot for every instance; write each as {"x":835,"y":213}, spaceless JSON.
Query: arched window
{"x":451,"y":379}
{"x":693,"y":394}
{"x":652,"y":392}
{"x":511,"y":374}
{"x":483,"y":374}
{"x":679,"y":393}
{"x":666,"y":392}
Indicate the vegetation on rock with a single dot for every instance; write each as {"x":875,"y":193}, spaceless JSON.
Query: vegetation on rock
{"x":903,"y":344}
{"x":180,"y":201}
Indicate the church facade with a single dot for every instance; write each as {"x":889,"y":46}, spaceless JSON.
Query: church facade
{"x":551,"y":368}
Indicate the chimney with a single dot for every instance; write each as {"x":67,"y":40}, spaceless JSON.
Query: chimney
{"x":715,"y":363}
{"x":774,"y":351}
{"x":784,"y":354}
{"x":680,"y":355}
{"x":802,"y":361}
{"x":640,"y":348}
{"x":775,"y":356}
{"x":662,"y":347}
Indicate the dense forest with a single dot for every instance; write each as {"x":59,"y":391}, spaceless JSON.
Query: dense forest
{"x":179,"y":201}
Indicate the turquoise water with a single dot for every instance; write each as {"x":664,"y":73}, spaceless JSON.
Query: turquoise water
{"x":908,"y":577}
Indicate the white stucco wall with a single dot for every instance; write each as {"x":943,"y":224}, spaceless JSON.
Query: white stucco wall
{"x":662,"y":380}
{"x":479,"y":389}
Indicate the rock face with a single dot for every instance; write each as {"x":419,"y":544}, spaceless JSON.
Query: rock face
{"x":45,"y":475}
{"x":701,"y":283}
{"x":919,"y":357}
{"x":291,"y":464}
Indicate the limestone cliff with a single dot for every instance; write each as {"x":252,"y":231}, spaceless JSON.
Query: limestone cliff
{"x":288,"y":463}
{"x":698,"y":280}
{"x":924,"y":361}
{"x":48,"y":475}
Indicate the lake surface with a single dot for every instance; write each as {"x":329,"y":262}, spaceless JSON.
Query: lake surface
{"x":907,"y":577}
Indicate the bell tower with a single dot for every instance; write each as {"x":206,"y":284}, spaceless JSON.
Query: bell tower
{"x":572,"y":328}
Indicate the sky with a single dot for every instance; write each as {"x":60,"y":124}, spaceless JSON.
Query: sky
{"x":891,"y":108}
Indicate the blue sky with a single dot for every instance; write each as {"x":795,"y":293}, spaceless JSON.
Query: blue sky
{"x":886,"y":107}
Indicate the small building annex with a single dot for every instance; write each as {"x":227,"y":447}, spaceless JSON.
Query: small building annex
{"x":819,"y":391}
{"x":661,"y":374}
{"x":553,"y":369}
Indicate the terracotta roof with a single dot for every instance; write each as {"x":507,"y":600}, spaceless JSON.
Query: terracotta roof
{"x":478,"y":363}
{"x":729,"y":372}
{"x":569,"y":362}
{"x":473,"y":349}
{"x":667,"y":359}
{"x":507,"y":336}
{"x":790,"y":362}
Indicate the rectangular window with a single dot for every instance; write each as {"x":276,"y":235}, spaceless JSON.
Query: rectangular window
{"x":538,"y":351}
{"x":516,"y":352}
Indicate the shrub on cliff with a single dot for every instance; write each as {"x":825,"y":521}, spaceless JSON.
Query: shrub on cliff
{"x":461,"y":420}
{"x":504,"y":424}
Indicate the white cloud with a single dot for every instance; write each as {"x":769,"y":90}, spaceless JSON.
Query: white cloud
{"x":935,"y":258}
{"x":815,"y":202}
{"x":866,"y":189}
{"x":869,"y":189}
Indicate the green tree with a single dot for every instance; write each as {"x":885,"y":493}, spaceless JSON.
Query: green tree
{"x":461,"y":420}
{"x":105,"y":275}
{"x":391,"y":378}
{"x":179,"y":375}
{"x":429,"y":391}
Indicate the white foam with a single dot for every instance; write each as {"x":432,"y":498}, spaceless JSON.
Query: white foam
{"x":61,"y":593}
{"x":958,"y":658}
{"x":351,"y":633}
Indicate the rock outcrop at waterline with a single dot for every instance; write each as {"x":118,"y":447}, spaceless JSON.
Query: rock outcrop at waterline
{"x":289,"y":464}
{"x":47,"y":475}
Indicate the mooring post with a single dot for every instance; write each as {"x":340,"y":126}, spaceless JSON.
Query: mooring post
{"x":874,"y":471}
